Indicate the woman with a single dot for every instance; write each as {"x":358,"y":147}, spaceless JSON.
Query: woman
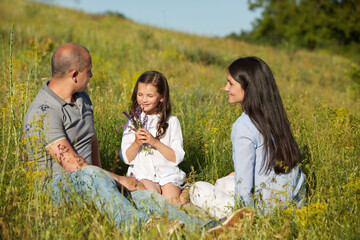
{"x":265,"y":154}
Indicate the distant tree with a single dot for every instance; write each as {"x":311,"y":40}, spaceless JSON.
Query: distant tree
{"x":115,"y":14}
{"x":307,"y":23}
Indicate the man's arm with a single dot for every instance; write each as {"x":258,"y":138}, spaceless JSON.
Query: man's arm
{"x":95,"y":155}
{"x":65,"y":155}
{"x":130,"y":183}
{"x":63,"y":152}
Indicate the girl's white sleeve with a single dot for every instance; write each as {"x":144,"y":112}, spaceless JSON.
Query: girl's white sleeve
{"x":127,"y":139}
{"x":176,"y":139}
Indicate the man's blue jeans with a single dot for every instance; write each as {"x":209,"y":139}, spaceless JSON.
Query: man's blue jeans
{"x":93,"y":184}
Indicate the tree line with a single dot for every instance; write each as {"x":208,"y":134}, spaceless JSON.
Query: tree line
{"x":306,"y":23}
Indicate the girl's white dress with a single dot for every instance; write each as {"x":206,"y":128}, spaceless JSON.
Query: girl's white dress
{"x":153,"y":165}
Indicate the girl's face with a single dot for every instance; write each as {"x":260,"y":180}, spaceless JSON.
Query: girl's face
{"x":148,"y":98}
{"x":235,"y":92}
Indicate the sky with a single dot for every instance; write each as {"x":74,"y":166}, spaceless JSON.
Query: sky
{"x":202,"y":17}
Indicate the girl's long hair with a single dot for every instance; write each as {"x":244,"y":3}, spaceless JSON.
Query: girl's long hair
{"x":263,"y":104}
{"x":159,"y":81}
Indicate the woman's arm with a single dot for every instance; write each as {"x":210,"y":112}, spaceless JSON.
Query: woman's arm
{"x":244,"y":164}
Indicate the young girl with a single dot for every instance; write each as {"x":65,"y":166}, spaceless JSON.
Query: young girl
{"x":265,"y":154}
{"x":158,"y":168}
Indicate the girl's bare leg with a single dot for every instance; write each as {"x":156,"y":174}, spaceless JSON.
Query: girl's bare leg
{"x":171,"y":193}
{"x":150,"y":185}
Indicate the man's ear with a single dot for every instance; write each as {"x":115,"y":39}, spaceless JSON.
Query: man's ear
{"x":74,"y":74}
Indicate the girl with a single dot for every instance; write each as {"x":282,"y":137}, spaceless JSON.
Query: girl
{"x":158,"y":168}
{"x":265,"y":154}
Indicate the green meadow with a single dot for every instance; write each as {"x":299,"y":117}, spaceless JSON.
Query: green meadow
{"x":320,"y":90}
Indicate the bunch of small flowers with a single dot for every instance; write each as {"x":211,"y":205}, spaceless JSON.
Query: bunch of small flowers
{"x":137,"y":123}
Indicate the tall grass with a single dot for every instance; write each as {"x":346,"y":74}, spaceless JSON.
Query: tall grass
{"x":320,"y":93}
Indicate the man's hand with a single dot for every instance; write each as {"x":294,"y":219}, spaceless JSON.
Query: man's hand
{"x":130,"y":183}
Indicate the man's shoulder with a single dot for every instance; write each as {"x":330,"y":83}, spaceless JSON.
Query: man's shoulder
{"x":42,"y":103}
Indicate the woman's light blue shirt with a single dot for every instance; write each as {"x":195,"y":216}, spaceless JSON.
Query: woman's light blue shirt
{"x":253,"y":187}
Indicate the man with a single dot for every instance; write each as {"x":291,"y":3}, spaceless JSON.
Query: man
{"x":67,"y":116}
{"x":60,"y":137}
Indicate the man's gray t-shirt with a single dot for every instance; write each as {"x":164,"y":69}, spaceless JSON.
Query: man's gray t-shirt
{"x":49,"y":119}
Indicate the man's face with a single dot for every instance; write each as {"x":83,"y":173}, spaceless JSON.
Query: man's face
{"x":84,"y":77}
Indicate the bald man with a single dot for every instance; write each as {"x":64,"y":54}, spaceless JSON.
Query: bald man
{"x":61,"y":139}
{"x":66,"y":112}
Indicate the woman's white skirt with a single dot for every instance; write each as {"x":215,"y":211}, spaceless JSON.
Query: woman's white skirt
{"x":217,"y":200}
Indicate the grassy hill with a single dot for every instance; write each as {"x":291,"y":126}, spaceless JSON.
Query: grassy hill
{"x":321,"y":93}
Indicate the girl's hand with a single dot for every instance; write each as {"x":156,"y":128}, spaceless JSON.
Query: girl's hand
{"x":139,"y":137}
{"x":146,"y":137}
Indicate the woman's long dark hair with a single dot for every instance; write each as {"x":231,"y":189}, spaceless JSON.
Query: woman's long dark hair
{"x":263,"y":104}
{"x":159,"y":81}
